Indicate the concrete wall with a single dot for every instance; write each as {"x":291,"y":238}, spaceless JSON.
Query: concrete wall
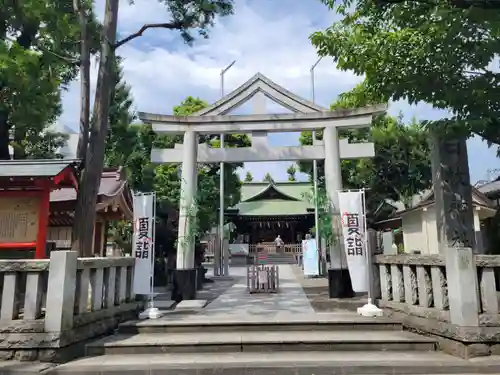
{"x":420,"y":230}
{"x":412,"y":232}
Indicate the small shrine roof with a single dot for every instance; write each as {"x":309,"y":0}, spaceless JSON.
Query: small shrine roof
{"x":112,"y":184}
{"x":34,"y":167}
{"x":113,"y":191}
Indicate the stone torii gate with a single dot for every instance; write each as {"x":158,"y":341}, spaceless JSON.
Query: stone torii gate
{"x":214,"y":119}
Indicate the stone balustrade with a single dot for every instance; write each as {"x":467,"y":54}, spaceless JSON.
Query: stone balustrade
{"x":415,"y":288}
{"x":49,"y":307}
{"x":414,"y":284}
{"x":417,"y":284}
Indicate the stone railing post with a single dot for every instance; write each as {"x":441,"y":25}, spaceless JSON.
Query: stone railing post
{"x":462,"y":281}
{"x":373,"y":270}
{"x":61,"y":288}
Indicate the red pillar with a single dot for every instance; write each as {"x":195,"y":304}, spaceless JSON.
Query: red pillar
{"x":43,"y":223}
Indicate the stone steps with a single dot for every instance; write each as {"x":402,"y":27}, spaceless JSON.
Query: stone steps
{"x":260,"y":342}
{"x":279,"y":258}
{"x":298,"y":344}
{"x":319,"y":322}
{"x":283,"y":363}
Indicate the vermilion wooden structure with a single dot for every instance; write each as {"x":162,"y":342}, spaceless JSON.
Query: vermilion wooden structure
{"x":36,"y":178}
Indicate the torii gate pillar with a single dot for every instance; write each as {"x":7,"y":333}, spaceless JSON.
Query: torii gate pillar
{"x":185,"y":274}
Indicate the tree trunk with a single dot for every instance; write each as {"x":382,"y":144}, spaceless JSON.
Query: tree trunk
{"x":4,"y":136}
{"x":83,"y":229}
{"x":19,"y":138}
{"x":83,"y":139}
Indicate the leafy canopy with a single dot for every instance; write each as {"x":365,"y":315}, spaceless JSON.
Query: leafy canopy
{"x":401,"y":166}
{"x":432,"y":51}
{"x":39,"y":54}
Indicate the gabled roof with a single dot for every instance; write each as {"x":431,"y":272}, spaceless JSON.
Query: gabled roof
{"x":113,"y":191}
{"x":288,"y":199}
{"x":260,"y":83}
{"x":490,"y":188}
{"x":426,"y":198}
{"x":294,"y":190}
{"x":271,"y":190}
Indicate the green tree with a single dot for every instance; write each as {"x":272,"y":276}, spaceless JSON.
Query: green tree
{"x":291,"y":171}
{"x":167,"y":177}
{"x":440,"y":52}
{"x":186,"y":16}
{"x":39,"y":53}
{"x":248,"y":177}
{"x":122,"y":135}
{"x":44,"y":144}
{"x":268,"y":178}
{"x":401,"y":166}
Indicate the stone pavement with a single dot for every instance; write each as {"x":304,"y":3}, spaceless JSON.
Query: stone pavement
{"x":236,"y":301}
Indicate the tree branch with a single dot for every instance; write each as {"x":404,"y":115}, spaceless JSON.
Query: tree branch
{"x":459,"y":4}
{"x":138,"y":33}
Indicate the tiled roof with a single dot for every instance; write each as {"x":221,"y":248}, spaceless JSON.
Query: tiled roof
{"x":34,"y":168}
{"x":293,"y":189}
{"x":273,"y":207}
{"x":489,"y":187}
{"x":112,"y":183}
{"x":426,"y":198}
{"x":291,"y":203}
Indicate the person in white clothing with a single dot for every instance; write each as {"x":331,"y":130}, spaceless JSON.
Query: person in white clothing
{"x":278,"y":242}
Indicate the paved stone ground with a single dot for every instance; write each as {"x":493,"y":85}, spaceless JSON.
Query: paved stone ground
{"x":210,"y":292}
{"x":316,"y":290}
{"x":236,"y":301}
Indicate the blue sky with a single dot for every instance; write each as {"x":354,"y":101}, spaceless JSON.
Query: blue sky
{"x":267,"y":36}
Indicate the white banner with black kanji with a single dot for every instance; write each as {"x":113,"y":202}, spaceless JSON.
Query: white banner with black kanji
{"x":143,"y":243}
{"x":351,"y":207}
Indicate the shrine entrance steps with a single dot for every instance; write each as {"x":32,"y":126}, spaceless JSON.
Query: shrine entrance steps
{"x":281,"y":258}
{"x":316,"y":344}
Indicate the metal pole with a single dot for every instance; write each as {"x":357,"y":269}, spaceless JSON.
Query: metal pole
{"x":224,"y":265}
{"x":315,"y":175}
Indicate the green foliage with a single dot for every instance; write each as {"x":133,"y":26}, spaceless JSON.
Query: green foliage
{"x":291,"y":171}
{"x":401,"y":166}
{"x":39,"y":52}
{"x":186,"y":16}
{"x":268,"y":178}
{"x":326,"y":215}
{"x":434,"y":52}
{"x":42,"y":145}
{"x":199,"y":14}
{"x":248,"y":177}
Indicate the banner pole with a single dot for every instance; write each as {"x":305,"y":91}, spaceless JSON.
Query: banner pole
{"x":151,"y":312}
{"x":369,"y":309}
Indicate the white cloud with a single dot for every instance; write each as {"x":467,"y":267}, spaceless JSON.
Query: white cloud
{"x":262,"y":35}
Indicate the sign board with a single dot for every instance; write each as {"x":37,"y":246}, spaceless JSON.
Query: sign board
{"x":238,"y":248}
{"x":143,"y":243}
{"x":19,"y":219}
{"x":310,"y":257}
{"x":351,"y":208}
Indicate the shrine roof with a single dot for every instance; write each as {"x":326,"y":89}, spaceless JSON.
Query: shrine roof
{"x":34,"y":168}
{"x":274,"y":199}
{"x":274,"y":207}
{"x":112,"y":184}
{"x":490,"y":188}
{"x":293,"y":189}
{"x":426,"y":198}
